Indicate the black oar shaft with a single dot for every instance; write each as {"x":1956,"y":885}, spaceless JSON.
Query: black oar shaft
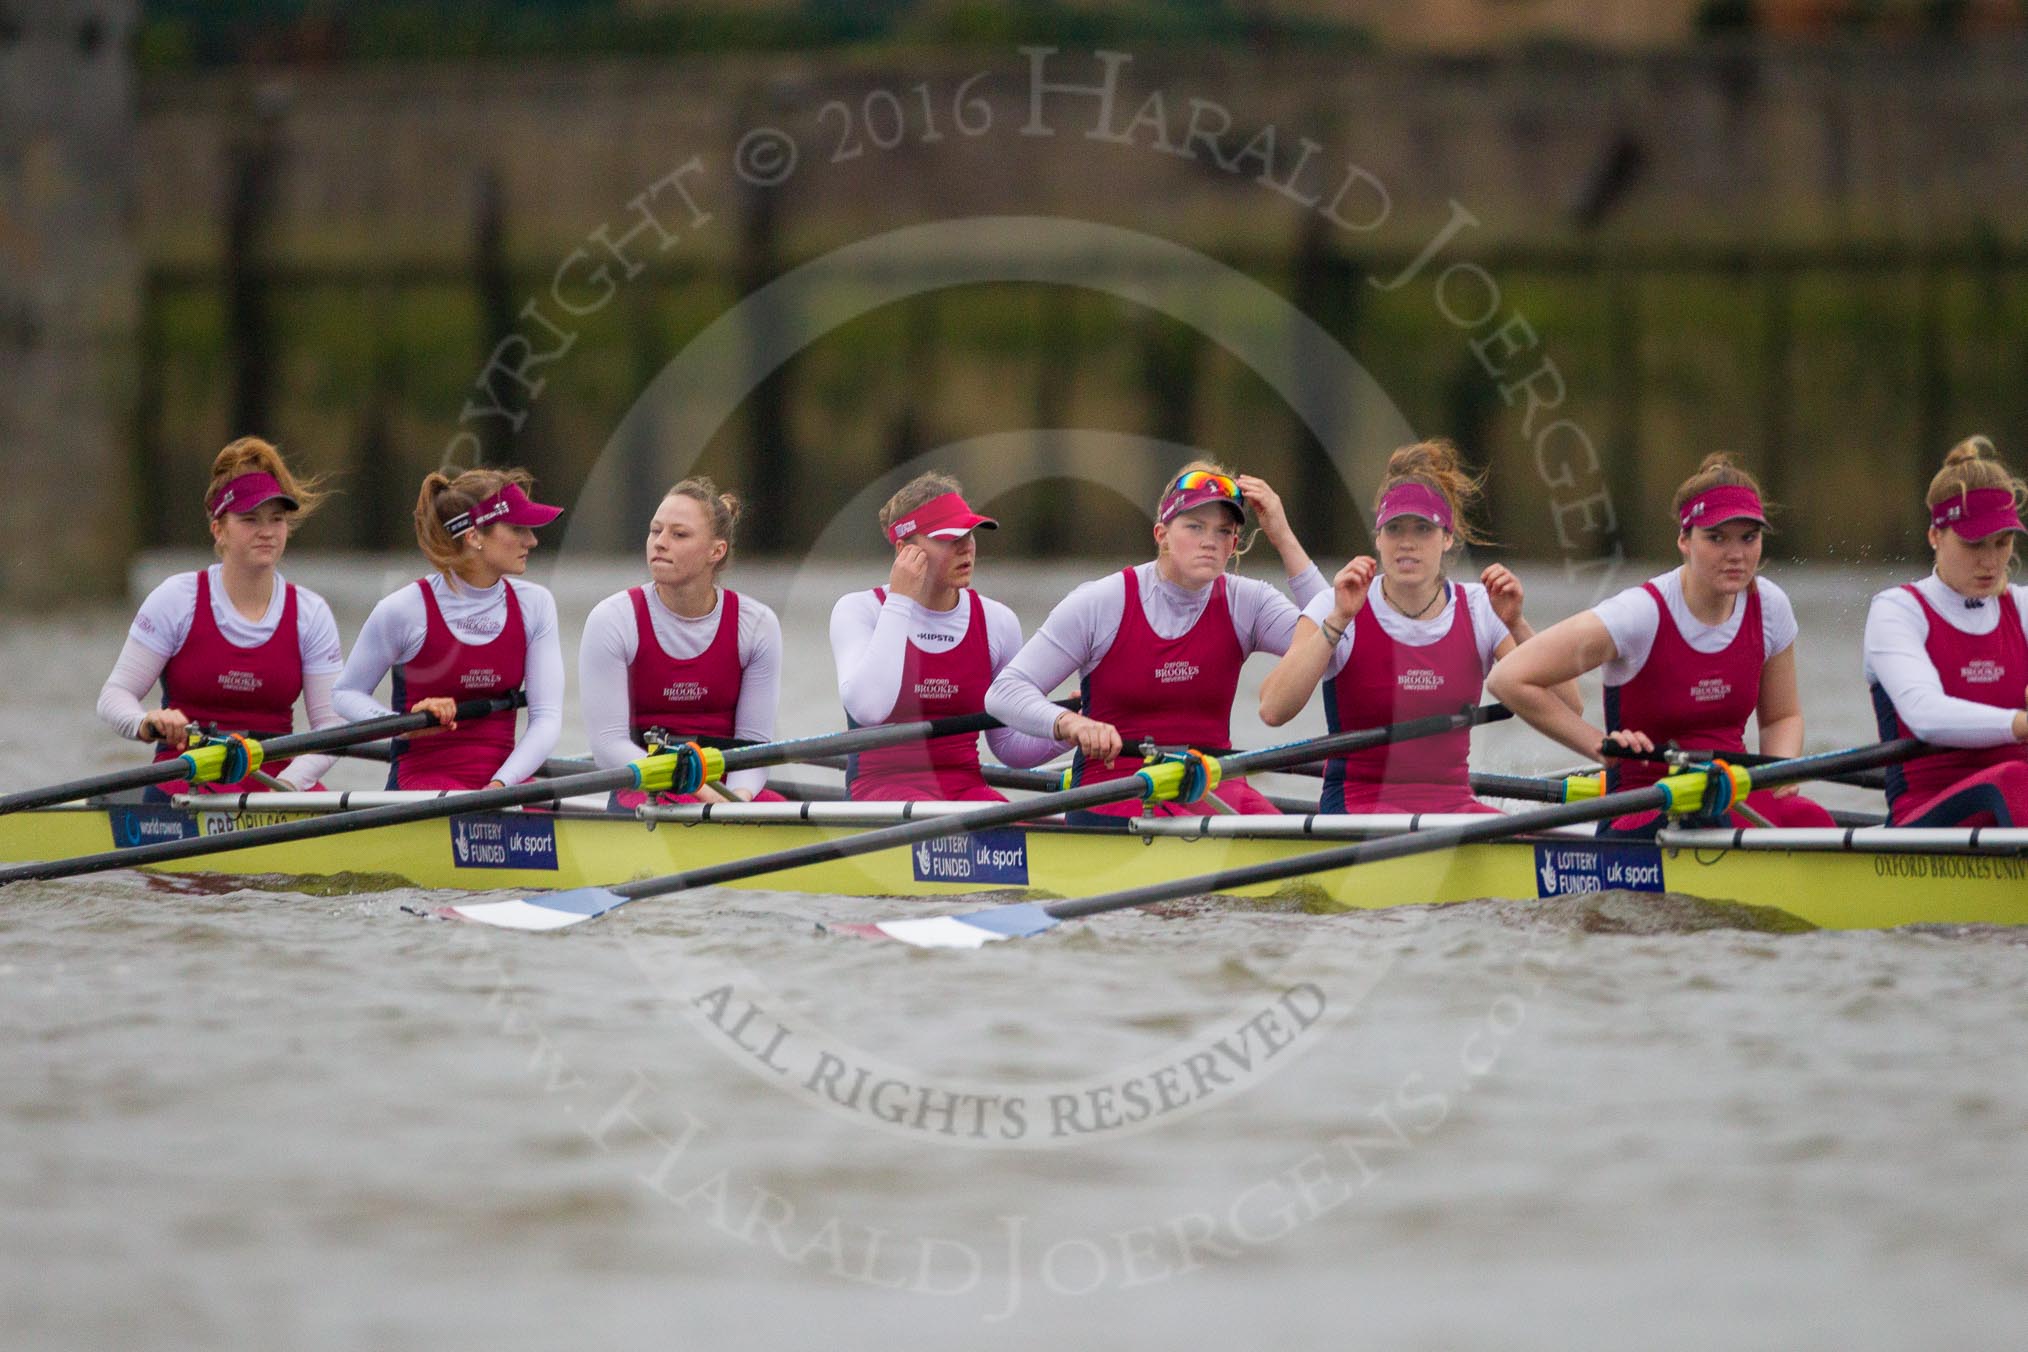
{"x":272,"y":749}
{"x":484,"y":800}
{"x":936,"y":827}
{"x":1490,"y":828}
{"x":1858,"y":779}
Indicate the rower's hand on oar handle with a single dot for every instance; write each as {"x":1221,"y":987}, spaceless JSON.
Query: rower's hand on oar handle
{"x":1349,"y":588}
{"x":170,"y":727}
{"x":441,"y":707}
{"x":1098,"y":741}
{"x":1624,"y":740}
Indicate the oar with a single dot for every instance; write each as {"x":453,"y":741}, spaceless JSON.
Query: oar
{"x":1165,"y":779}
{"x":680,"y":768}
{"x":552,"y":768}
{"x":1047,"y":781}
{"x":1684,"y":792}
{"x":208,"y":759}
{"x":1683,"y":759}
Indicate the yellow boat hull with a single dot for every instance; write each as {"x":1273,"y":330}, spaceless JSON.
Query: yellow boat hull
{"x":529,"y":851}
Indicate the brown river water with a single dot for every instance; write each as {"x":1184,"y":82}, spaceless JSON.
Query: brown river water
{"x":260,"y":1119}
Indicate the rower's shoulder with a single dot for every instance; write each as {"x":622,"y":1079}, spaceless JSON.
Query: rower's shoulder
{"x":1770,"y":589}
{"x":995,"y":609}
{"x":1109,"y":588}
{"x":753,"y":610}
{"x":618,"y":606}
{"x":311,"y":603}
{"x":176,"y":588}
{"x":532,"y":593}
{"x":1773,"y":600}
{"x":860,"y":601}
{"x":1897,"y":597}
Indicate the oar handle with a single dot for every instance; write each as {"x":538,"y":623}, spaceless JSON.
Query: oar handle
{"x":272,"y":749}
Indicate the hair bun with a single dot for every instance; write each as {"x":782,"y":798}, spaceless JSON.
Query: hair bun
{"x":1972,"y":448}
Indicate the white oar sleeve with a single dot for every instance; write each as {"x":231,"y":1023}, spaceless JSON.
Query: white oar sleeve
{"x":1897,"y":660}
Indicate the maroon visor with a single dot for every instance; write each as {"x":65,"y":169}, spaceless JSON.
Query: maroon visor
{"x":510,"y":505}
{"x":248,"y":491}
{"x":1977,"y":512}
{"x":1727,"y":502}
{"x":944,"y":517}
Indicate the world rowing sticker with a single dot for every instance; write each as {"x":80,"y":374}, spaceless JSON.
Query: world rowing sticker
{"x":134,"y":826}
{"x":1561,"y":870}
{"x":494,"y":841}
{"x":982,"y":859}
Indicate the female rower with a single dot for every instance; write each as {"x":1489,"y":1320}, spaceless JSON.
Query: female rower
{"x":682,"y":656}
{"x":1947,"y":657}
{"x":927,"y":645}
{"x":471,"y":630}
{"x":1688,"y":657}
{"x":1159,"y":646}
{"x":1413,"y":646}
{"x":233,"y":644}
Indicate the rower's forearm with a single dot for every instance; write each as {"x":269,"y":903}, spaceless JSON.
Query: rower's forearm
{"x":1289,"y":686}
{"x":1783,"y":737}
{"x":1016,"y":702}
{"x":1295,"y":559}
{"x":1548,"y":713}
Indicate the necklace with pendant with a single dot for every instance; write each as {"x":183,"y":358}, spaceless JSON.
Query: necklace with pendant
{"x":1435,"y":596}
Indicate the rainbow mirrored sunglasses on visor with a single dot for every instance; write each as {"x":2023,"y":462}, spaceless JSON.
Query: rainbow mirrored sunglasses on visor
{"x":1194,"y":488}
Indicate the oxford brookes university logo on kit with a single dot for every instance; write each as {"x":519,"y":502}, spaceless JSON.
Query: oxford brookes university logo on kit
{"x":1711,"y":690}
{"x":1984,"y":671}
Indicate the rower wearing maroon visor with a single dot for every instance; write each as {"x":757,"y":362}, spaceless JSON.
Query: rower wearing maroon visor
{"x":926,"y":646}
{"x":472,"y":629}
{"x":1947,"y":657}
{"x":235,"y":644}
{"x":1688,"y":657}
{"x":1158,"y":647}
{"x":1405,"y":642}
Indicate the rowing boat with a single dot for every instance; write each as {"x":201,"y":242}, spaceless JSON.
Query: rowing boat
{"x":1845,"y":879}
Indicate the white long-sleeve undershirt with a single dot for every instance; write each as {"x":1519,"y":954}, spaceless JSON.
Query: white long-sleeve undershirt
{"x":1897,"y":660}
{"x":869,"y":644}
{"x":162,"y":625}
{"x":121,"y":704}
{"x":611,"y":642}
{"x":393,"y":634}
{"x":1080,"y":632}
